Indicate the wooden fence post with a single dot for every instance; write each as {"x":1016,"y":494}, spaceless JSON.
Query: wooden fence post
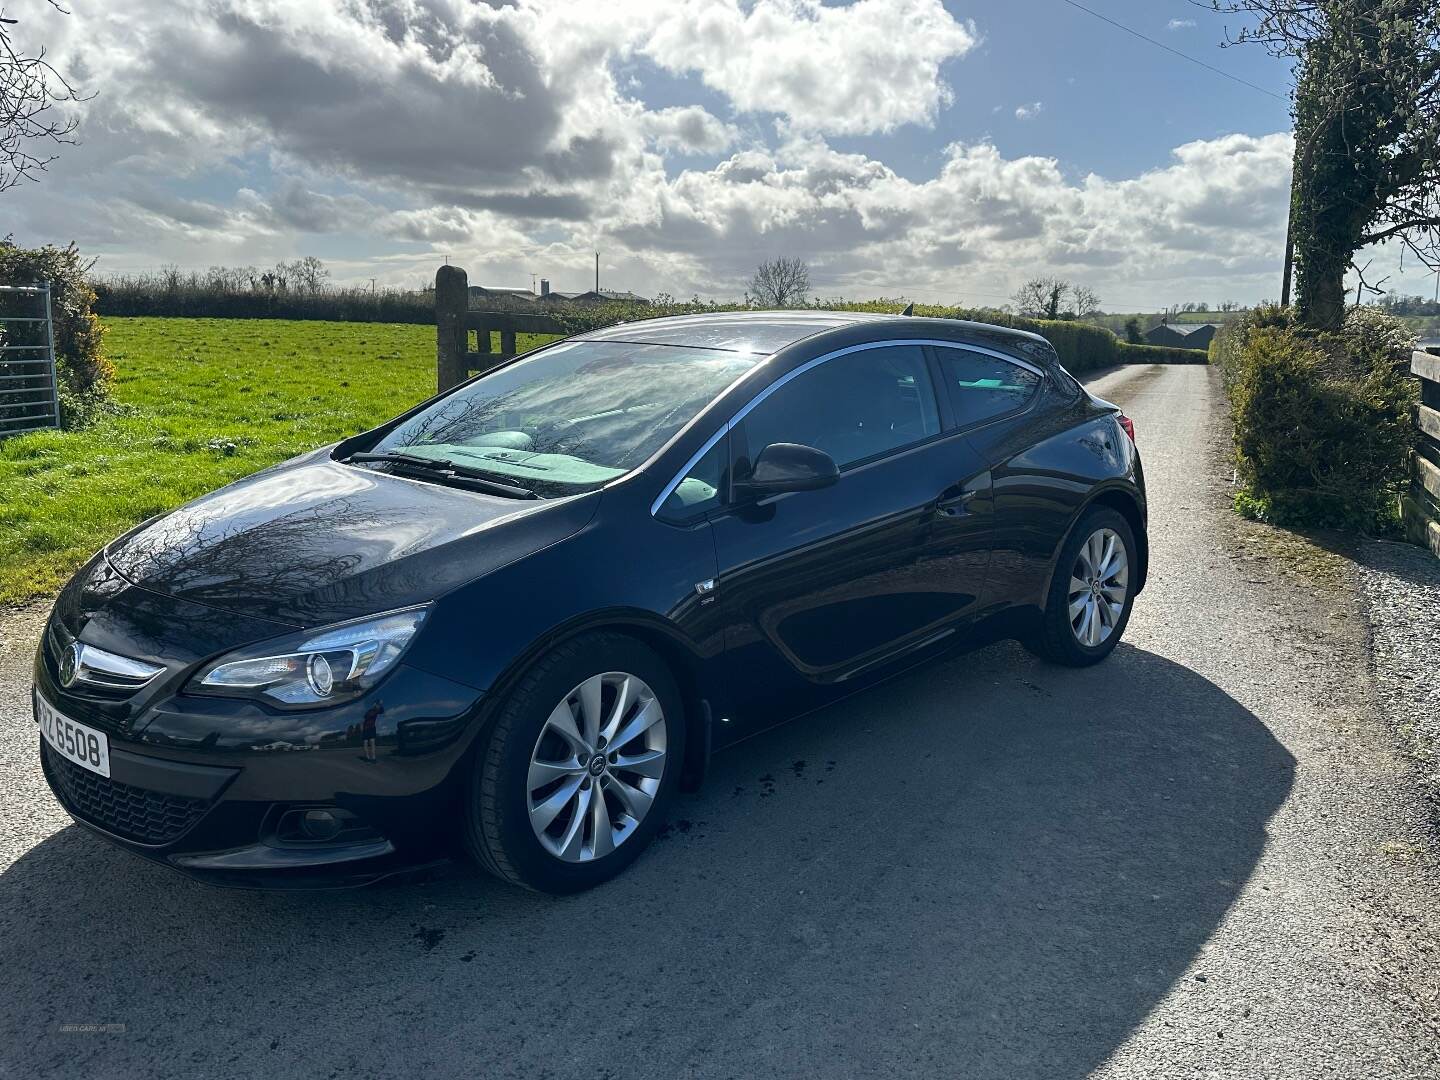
{"x":452,"y":300}
{"x":1420,"y":506}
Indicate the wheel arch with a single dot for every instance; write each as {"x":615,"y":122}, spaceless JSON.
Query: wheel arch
{"x":679,"y":654}
{"x":1126,"y":503}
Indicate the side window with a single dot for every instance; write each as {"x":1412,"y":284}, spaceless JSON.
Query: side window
{"x":853,"y":407}
{"x":983,"y":386}
{"x":702,"y":488}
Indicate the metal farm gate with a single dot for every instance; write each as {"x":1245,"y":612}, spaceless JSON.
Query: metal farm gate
{"x":29,"y":395}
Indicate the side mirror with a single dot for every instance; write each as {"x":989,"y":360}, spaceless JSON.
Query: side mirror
{"x":783,"y":467}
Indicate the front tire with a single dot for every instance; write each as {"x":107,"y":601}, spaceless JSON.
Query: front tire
{"x":580,"y":767}
{"x":1092,"y":592}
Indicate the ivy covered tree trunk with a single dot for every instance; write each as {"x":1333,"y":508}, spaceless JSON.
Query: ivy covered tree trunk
{"x":1339,"y":111}
{"x":1322,"y":257}
{"x":1367,"y":134}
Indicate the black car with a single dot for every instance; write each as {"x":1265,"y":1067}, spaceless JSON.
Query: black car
{"x":516,"y":619}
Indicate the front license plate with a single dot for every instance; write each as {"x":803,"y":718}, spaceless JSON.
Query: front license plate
{"x":83,"y":745}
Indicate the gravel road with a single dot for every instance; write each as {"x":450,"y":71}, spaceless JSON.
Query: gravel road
{"x":1203,"y":858}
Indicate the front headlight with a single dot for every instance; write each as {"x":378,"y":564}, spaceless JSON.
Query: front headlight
{"x":321,"y":667}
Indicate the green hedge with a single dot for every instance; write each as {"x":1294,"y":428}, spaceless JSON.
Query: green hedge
{"x":1081,"y":346}
{"x":1323,"y":429}
{"x":1161,"y":354}
{"x":187,"y":301}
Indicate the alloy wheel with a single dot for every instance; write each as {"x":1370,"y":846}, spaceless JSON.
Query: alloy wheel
{"x":596,"y":767}
{"x":1099,"y":582}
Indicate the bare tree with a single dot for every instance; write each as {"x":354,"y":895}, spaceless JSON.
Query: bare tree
{"x":29,"y":89}
{"x":780,"y":283}
{"x":1087,"y":301}
{"x":1042,"y":298}
{"x":309,"y":274}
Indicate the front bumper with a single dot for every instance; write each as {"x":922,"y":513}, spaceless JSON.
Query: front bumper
{"x":204,"y":784}
{"x":213,"y":807}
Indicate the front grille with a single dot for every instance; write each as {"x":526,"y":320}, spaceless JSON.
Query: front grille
{"x":147,"y":817}
{"x":94,"y":685}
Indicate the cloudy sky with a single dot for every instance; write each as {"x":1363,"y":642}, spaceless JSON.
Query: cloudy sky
{"x":938,"y":151}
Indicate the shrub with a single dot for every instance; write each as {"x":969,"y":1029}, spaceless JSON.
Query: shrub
{"x":1128,"y":353}
{"x":1227,"y":345}
{"x":213,"y":297}
{"x":1323,"y":425}
{"x":1081,"y":346}
{"x":84,"y":374}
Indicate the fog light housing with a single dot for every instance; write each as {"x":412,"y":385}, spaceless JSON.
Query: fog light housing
{"x":322,"y":825}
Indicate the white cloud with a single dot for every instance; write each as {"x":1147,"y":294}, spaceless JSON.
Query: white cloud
{"x":1025,"y":112}
{"x":1215,"y":213}
{"x":870,"y":66}
{"x":1180,"y":24}
{"x":688,"y":130}
{"x":515,"y":138}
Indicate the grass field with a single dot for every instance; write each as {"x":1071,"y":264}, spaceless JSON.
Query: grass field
{"x":203,"y":402}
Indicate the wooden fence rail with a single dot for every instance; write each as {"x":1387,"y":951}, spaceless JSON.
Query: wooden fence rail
{"x":455,"y":360}
{"x":1421,"y":506}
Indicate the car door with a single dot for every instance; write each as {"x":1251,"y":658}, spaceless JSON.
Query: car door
{"x":1007,"y":408}
{"x":821,"y":587}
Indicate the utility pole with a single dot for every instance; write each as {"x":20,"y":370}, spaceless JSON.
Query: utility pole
{"x":1289,"y":250}
{"x":597,"y":271}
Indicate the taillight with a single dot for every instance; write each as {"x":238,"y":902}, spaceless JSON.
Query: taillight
{"x":1128,"y":425}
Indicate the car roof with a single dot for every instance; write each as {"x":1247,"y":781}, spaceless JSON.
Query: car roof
{"x":767,"y":332}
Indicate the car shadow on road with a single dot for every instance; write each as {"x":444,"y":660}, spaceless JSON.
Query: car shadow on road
{"x":987,"y":868}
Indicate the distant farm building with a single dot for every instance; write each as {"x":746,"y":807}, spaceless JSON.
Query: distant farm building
{"x":493,"y":292}
{"x":1182,"y":335}
{"x":608,"y":296}
{"x":591,"y":296}
{"x":479,"y":294}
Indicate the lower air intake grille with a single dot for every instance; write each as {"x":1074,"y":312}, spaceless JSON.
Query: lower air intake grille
{"x":147,"y":817}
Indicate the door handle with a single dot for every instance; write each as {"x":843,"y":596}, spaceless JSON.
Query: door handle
{"x":957,"y":505}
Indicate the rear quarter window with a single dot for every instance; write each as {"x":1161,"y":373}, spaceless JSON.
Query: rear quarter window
{"x":983,"y":387}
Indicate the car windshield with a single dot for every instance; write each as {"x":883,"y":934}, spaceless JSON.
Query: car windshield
{"x":573,"y":417}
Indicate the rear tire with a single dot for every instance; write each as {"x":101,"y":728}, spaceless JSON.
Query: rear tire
{"x":1091,"y":593}
{"x":554,"y":803}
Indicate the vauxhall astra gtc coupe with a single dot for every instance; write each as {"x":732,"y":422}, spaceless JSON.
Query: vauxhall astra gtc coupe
{"x":513,"y":621}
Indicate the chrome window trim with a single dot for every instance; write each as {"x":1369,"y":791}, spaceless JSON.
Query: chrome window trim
{"x":745,"y":410}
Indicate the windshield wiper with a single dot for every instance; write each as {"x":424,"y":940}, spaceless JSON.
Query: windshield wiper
{"x":449,"y":470}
